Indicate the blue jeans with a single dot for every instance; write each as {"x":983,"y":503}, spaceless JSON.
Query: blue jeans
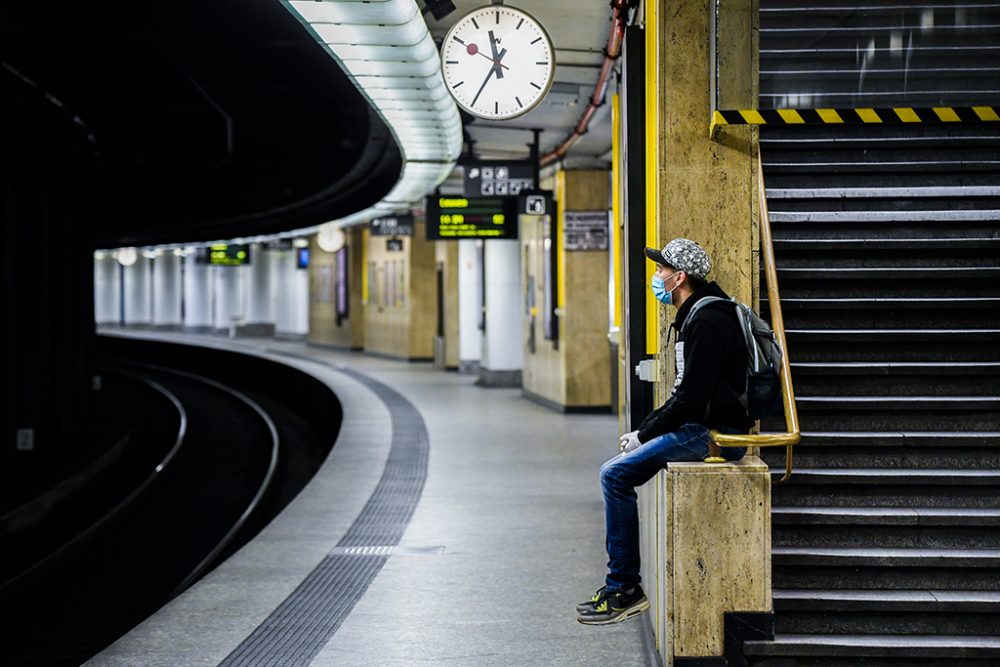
{"x":619,"y":478}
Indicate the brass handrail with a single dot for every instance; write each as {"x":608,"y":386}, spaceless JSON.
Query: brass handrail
{"x":786,"y":440}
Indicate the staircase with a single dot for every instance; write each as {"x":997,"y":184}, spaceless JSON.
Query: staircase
{"x":886,"y":541}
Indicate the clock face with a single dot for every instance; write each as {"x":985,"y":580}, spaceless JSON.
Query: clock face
{"x":497,"y":62}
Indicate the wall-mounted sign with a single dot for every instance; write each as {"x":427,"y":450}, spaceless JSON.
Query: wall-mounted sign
{"x":489,"y":178}
{"x":278,"y":244}
{"x":453,"y":218}
{"x":536,"y":202}
{"x":302,"y":258}
{"x":394,"y":245}
{"x":585,"y":230}
{"x":221,"y":254}
{"x":393,"y":225}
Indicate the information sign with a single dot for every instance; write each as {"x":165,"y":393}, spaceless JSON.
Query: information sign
{"x":453,"y":218}
{"x":486,"y":178}
{"x":393,"y":225}
{"x":585,"y":230}
{"x":221,"y":254}
{"x":536,"y":202}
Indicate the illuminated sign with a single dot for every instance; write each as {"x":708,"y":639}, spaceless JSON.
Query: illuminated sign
{"x":222,"y":254}
{"x":393,"y":225}
{"x":452,"y":218}
{"x":302,"y":258}
{"x":485,"y":178}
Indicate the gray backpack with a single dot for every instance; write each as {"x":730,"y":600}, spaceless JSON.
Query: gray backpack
{"x":761,"y":395}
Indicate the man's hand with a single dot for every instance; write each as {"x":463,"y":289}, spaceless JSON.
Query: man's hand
{"x":629,"y":442}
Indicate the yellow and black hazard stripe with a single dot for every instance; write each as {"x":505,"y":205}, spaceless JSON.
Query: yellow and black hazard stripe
{"x":862,"y":116}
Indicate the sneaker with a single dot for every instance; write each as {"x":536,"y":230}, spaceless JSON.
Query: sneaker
{"x":592,"y":602}
{"x":614,"y":607}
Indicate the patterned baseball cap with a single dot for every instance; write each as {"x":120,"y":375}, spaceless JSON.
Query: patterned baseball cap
{"x":684,"y":255}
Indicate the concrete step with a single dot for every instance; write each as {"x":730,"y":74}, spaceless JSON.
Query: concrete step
{"x":913,"y":650}
{"x":852,"y":456}
{"x":902,"y":557}
{"x":942,"y":216}
{"x":890,"y":534}
{"x":899,"y":623}
{"x":893,"y":349}
{"x":940,"y":243}
{"x":887,"y":273}
{"x":912,"y":450}
{"x":800,"y":164}
{"x":918,"y":192}
{"x":954,"y":336}
{"x":899,"y":403}
{"x":958,"y":208}
{"x":893,"y":476}
{"x":889,"y":304}
{"x":902,"y":368}
{"x":886,"y":516}
{"x":882,"y":232}
{"x":883,"y":379}
{"x":886,"y":600}
{"x":882,"y":439}
{"x":954,"y":319}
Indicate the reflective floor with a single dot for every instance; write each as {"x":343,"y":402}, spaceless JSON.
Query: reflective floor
{"x":505,"y":538}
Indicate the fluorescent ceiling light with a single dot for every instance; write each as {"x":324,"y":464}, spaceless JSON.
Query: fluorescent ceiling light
{"x":386,"y":49}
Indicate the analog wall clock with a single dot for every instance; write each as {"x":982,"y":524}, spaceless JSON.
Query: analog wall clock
{"x":498,"y":62}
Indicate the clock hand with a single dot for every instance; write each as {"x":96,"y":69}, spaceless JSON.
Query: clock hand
{"x":485,"y":81}
{"x":496,"y":58}
{"x":496,"y":61}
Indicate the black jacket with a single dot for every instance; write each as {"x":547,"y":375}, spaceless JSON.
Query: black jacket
{"x":714,"y":355}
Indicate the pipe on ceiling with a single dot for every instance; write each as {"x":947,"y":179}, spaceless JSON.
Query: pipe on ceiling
{"x":611,"y":53}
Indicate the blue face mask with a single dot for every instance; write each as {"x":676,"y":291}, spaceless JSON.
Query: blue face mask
{"x":660,"y":290}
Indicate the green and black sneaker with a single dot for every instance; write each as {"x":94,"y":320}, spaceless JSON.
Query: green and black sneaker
{"x":592,"y":602}
{"x":614,"y":607}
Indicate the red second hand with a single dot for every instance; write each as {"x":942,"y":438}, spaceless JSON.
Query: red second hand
{"x":473,"y":50}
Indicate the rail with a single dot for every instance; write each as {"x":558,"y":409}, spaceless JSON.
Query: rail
{"x":793,"y":434}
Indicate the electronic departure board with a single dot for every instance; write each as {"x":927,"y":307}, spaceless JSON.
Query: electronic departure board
{"x":453,"y":218}
{"x":221,"y":254}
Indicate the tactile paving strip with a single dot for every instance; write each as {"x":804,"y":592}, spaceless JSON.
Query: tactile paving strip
{"x":305,"y":621}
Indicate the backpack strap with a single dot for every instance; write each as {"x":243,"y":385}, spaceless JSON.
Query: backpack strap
{"x":704,"y":301}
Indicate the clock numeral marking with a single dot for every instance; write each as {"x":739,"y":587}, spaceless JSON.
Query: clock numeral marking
{"x":459,"y":41}
{"x":519,"y":105}
{"x":457,"y":85}
{"x":450,"y":62}
{"x":496,"y":107}
{"x":475,"y":24}
{"x":498,"y":18}
{"x":518,"y":27}
{"x":542,"y":62}
{"x":537,"y":40}
{"x":536,"y":85}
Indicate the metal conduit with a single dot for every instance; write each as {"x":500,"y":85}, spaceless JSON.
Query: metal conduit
{"x":611,"y":52}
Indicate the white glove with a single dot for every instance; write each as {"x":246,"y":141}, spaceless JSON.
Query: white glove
{"x":629,"y":442}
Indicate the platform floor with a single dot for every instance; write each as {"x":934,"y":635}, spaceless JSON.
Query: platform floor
{"x":507,"y":536}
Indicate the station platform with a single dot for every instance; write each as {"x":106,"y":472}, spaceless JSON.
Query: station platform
{"x":450,"y":525}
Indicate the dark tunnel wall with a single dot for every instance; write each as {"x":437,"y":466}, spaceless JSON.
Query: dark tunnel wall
{"x":154,"y":123}
{"x":48,"y":168}
{"x":211,"y":119}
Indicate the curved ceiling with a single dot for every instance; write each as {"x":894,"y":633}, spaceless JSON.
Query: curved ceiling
{"x":209,"y":119}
